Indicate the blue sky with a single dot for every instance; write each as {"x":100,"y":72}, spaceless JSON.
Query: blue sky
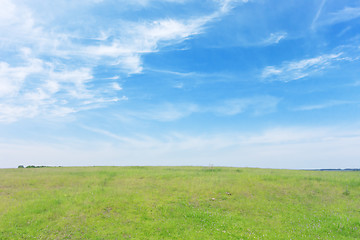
{"x":248,"y":83}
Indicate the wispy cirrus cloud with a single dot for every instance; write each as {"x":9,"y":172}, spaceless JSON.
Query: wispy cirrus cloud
{"x":227,"y":5}
{"x":295,"y":70}
{"x":343,"y":15}
{"x":258,"y":105}
{"x":148,"y":37}
{"x":145,"y":3}
{"x":143,"y":38}
{"x":274,"y":38}
{"x":324,"y":105}
{"x":265,"y":40}
{"x":318,"y":13}
{"x":167,"y":112}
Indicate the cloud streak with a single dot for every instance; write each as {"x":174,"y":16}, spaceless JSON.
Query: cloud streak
{"x":145,"y":38}
{"x":274,"y":38}
{"x":343,"y":15}
{"x":290,"y":71}
{"x":318,"y":13}
{"x":324,"y":105}
{"x":168,"y":112}
{"x":257,"y":105}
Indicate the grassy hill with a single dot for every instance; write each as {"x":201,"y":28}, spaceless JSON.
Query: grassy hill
{"x":178,"y":203}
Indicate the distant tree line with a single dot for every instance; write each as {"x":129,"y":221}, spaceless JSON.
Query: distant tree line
{"x":340,"y":169}
{"x":32,"y":166}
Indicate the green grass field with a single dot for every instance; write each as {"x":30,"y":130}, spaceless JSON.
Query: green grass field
{"x":178,"y":203}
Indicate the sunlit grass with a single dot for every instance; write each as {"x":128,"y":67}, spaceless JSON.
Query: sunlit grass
{"x":178,"y":203}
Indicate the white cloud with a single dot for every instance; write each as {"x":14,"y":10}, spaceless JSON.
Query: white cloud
{"x":73,"y":82}
{"x":290,"y":71}
{"x":12,"y":78}
{"x":13,"y":16}
{"x":227,"y":5}
{"x":36,"y":80}
{"x":116,"y":86}
{"x":7,"y":11}
{"x":103,"y":100}
{"x":274,"y":38}
{"x":62,"y":111}
{"x":41,"y":88}
{"x":11,"y":112}
{"x":113,"y":78}
{"x":20,"y":30}
{"x":170,"y":29}
{"x":263,"y":41}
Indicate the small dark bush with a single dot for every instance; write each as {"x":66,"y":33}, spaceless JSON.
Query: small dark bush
{"x":347,"y":192}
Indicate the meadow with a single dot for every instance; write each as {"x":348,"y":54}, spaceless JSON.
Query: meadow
{"x":178,"y":203}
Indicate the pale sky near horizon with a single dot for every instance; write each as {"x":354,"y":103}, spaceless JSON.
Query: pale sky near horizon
{"x":245,"y":83}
